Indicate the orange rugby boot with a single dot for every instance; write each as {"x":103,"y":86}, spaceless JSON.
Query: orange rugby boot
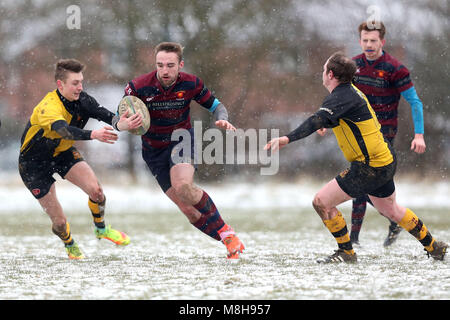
{"x":234,"y":246}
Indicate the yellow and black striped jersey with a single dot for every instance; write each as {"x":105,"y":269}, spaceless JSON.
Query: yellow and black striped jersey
{"x":355,"y":126}
{"x":40,"y":141}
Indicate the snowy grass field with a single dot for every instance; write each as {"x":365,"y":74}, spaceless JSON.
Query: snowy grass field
{"x":168,"y":259}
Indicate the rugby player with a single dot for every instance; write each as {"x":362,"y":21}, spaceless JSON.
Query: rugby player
{"x":372,"y":161}
{"x":384,"y":80}
{"x":168,"y":93}
{"x":47,"y":148}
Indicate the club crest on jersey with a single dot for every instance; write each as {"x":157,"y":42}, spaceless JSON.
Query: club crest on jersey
{"x":76,"y":155}
{"x":344,"y":173}
{"x":128,"y":89}
{"x":180,"y":94}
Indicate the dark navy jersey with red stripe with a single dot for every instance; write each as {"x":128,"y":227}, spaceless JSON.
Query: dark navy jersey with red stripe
{"x":169,"y":108}
{"x":382,"y":81}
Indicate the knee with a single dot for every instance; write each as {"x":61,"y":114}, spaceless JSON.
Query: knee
{"x":184,"y":190}
{"x":59,"y":225}
{"x":96,"y":192}
{"x":318,"y":205}
{"x":392,"y":212}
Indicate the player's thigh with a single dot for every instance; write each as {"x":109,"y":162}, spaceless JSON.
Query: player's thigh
{"x":71,"y":166}
{"x":388,"y":207}
{"x":330,"y":195}
{"x":182,"y":173}
{"x":82,"y":175}
{"x":37,"y":176}
{"x":182,"y":164}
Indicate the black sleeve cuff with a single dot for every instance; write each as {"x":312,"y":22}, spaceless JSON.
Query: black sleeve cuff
{"x":69,"y":132}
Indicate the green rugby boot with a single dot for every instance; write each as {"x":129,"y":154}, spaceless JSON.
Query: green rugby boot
{"x":74,"y":252}
{"x":118,"y":237}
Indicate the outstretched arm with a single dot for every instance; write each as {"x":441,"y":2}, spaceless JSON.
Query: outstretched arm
{"x":70,"y":132}
{"x":104,"y":134}
{"x":310,"y":125}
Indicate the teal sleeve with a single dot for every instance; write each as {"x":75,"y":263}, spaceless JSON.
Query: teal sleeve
{"x":410,"y":95}
{"x":214,"y":105}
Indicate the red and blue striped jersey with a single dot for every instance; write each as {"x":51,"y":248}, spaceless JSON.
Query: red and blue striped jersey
{"x":169,"y":109}
{"x":382,"y":81}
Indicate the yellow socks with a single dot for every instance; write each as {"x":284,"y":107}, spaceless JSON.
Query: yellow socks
{"x":64,"y":235}
{"x":338,"y":228}
{"x":98,"y":212}
{"x":411,"y":223}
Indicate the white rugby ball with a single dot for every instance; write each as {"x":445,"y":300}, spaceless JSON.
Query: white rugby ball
{"x":135,"y":105}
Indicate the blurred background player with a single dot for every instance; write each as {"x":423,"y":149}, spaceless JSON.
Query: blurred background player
{"x":168,"y":93}
{"x":47,"y":148}
{"x":372,"y":162}
{"x":383,"y":79}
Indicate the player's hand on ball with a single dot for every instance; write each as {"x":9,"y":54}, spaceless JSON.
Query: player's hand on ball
{"x":277,"y":143}
{"x":130,"y":123}
{"x":224,"y":124}
{"x":131,"y":105}
{"x":105,"y":134}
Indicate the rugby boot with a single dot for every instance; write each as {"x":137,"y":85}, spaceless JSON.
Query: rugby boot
{"x":234,"y":246}
{"x":439,"y":250}
{"x":74,"y":252}
{"x":339,"y":256}
{"x":392,"y":235}
{"x":118,"y":237}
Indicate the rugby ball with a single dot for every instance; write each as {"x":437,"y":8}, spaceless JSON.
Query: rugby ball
{"x":135,"y":105}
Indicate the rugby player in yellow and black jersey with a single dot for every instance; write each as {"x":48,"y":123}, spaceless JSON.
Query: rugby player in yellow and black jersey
{"x":47,"y":148}
{"x":372,"y":161}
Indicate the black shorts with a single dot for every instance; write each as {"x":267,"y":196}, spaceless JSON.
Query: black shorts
{"x":161,"y":160}
{"x":361,"y":179}
{"x":37,"y":175}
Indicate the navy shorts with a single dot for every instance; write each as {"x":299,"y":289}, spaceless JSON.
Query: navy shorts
{"x":37,"y":175}
{"x":161,"y":160}
{"x":361,"y":179}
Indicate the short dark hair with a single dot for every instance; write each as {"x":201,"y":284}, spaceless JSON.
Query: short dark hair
{"x":170,"y":47}
{"x":374,"y":26}
{"x":342,"y":66}
{"x":67,"y":65}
